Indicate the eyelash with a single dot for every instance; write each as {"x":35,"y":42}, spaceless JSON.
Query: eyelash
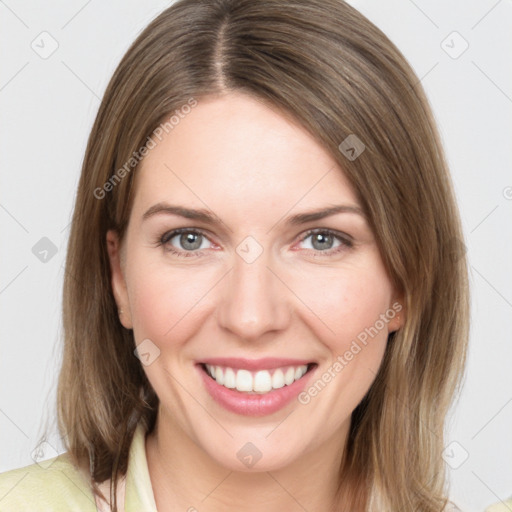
{"x":346,"y":242}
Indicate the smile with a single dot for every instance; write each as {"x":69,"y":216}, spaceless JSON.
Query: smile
{"x":255,"y":388}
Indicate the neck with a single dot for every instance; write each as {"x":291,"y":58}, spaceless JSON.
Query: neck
{"x":185,"y":477}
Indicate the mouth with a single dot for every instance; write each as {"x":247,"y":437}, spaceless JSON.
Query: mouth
{"x":256,"y":382}
{"x":255,"y":387}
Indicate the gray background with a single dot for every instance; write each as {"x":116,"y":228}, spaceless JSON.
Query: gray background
{"x":48,"y":103}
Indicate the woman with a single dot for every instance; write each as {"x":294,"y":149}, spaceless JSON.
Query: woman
{"x":216,"y":356}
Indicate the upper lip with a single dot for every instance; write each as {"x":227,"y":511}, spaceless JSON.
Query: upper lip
{"x":265,"y":363}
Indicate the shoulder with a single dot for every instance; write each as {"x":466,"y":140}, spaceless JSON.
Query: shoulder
{"x":53,"y":485}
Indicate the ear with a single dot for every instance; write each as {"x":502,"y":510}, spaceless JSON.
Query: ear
{"x":118,"y":282}
{"x":396,"y":314}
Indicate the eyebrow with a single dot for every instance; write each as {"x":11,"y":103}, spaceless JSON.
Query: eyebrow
{"x":209,"y":218}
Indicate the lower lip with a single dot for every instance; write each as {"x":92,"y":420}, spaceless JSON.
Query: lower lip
{"x":254,"y":404}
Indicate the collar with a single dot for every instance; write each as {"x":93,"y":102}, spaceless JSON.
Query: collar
{"x":138,"y":490}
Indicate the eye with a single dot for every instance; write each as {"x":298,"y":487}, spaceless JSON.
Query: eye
{"x":184,"y":240}
{"x":326,"y":241}
{"x":189,"y":242}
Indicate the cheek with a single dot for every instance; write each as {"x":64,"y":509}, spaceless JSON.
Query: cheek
{"x":353,"y":305}
{"x":164,"y":301}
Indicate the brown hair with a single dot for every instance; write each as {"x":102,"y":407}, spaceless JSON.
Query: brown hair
{"x":337,"y":74}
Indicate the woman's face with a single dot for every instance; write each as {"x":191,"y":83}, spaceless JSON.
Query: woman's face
{"x":248,"y":279}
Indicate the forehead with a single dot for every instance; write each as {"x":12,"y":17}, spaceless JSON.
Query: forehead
{"x":235,"y":151}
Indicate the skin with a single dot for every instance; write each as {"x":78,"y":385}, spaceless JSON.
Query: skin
{"x":252,"y":167}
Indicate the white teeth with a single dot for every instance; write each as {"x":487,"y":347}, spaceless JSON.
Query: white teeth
{"x":298,"y":373}
{"x":261,"y":381}
{"x":278,"y":379}
{"x":219,"y":376}
{"x":289,"y":376}
{"x":229,"y":378}
{"x":243,"y":380}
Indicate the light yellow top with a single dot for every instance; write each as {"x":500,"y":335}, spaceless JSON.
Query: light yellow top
{"x":56,"y":485}
{"x":502,"y":506}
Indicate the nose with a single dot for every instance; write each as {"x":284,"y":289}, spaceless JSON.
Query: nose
{"x":254,"y":300}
